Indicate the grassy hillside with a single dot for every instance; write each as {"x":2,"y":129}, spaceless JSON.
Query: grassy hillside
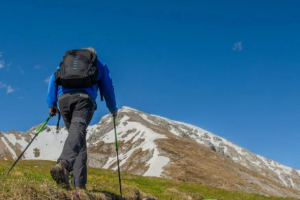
{"x":31,"y":180}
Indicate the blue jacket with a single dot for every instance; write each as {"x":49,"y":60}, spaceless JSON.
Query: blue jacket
{"x":54,"y":90}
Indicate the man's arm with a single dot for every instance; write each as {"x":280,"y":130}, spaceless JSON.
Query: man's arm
{"x":52,"y":96}
{"x":108,"y":89}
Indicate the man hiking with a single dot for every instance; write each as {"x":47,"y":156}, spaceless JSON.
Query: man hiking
{"x":74,"y":85}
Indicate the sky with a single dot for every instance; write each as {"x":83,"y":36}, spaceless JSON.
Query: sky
{"x":230,"y":67}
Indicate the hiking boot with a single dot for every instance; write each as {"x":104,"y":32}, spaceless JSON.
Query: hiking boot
{"x":60,"y":174}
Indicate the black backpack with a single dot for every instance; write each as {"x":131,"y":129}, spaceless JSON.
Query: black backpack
{"x":78,"y":69}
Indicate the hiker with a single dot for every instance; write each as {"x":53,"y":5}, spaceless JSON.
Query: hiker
{"x":74,"y":85}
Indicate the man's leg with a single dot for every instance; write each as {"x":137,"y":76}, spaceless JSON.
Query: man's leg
{"x":66,"y":111}
{"x":74,"y":142}
{"x":59,"y":172}
{"x":79,"y":173}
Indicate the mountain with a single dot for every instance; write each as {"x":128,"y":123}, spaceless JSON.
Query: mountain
{"x":150,"y":145}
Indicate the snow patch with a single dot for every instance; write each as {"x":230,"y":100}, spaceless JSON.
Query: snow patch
{"x":14,"y":155}
{"x":146,"y":119}
{"x":11,"y":137}
{"x":173,"y":130}
{"x":156,"y":163}
{"x":110,"y":161}
{"x":128,"y":109}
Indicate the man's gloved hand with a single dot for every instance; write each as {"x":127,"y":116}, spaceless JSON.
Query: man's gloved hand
{"x":115,"y":114}
{"x":53,"y":110}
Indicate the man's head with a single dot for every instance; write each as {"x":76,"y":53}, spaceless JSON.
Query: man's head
{"x":91,"y":49}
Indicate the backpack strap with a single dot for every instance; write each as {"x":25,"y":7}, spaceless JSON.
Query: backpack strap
{"x":93,"y":61}
{"x":94,"y":58}
{"x":101,"y":93}
{"x":101,"y":90}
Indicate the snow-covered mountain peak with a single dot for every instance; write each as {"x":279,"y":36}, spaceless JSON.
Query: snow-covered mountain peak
{"x":128,"y":109}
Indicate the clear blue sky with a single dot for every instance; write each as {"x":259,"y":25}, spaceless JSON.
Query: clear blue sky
{"x":230,"y":67}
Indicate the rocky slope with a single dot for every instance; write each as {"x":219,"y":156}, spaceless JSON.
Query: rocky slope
{"x":150,"y":145}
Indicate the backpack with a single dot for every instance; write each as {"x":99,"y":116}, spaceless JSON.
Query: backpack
{"x":78,"y":69}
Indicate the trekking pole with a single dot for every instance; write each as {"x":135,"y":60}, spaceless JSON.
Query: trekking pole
{"x":117,"y":155}
{"x":30,"y":142}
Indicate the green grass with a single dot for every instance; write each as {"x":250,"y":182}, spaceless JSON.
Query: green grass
{"x":31,"y":180}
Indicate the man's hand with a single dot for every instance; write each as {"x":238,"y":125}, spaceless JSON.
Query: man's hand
{"x":115,"y":114}
{"x":53,"y":110}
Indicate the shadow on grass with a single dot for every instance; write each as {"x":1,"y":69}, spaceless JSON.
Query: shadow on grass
{"x":108,"y":195}
{"x":113,"y":196}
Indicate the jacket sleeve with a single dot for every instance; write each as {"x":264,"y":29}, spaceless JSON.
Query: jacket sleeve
{"x":52,"y":92}
{"x":108,"y":89}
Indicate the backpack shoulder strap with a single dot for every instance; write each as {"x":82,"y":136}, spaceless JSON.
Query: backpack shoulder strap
{"x":101,"y":90}
{"x":94,"y":59}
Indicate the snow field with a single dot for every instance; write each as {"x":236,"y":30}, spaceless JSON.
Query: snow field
{"x":156,"y":163}
{"x":49,"y":144}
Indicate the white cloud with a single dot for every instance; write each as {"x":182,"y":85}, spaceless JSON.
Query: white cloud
{"x":1,"y":54}
{"x":237,"y":46}
{"x":47,"y":80}
{"x":20,"y":97}
{"x":2,"y":63}
{"x":9,"y":90}
{"x":37,"y":67}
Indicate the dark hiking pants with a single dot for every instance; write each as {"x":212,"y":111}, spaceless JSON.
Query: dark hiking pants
{"x":77,"y":109}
